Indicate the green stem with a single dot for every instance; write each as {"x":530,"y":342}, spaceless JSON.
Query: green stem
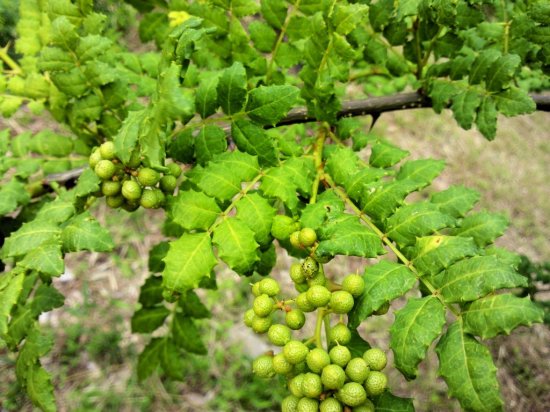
{"x":4,"y":56}
{"x":419,"y":60}
{"x":318,"y":158}
{"x":326,"y":321}
{"x":318,"y":327}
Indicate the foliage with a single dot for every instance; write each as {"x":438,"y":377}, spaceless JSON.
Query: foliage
{"x":222,"y":73}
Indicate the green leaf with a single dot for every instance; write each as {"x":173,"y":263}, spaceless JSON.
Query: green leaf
{"x":514,"y":101}
{"x":57,"y":211}
{"x":497,"y":314}
{"x":486,"y":119}
{"x":315,"y":214}
{"x":384,"y":282}
{"x":274,"y":12}
{"x":357,"y":345}
{"x":456,"y":201}
{"x":147,"y":320}
{"x":501,"y":72}
{"x":31,"y":235}
{"x":472,"y":278}
{"x":431,"y":254}
{"x":257,"y":213}
{"x":341,"y":164}
{"x":127,"y":137}
{"x":45,"y":258}
{"x":386,"y":155}
{"x":172,"y":360}
{"x":464,"y":107}
{"x":194,"y":210}
{"x":55,"y":59}
{"x":149,"y":358}
{"x":186,"y":335}
{"x":39,"y":387}
{"x":192,"y":306}
{"x":346,"y":17}
{"x":12,"y":195}
{"x":87,"y":183}
{"x":236,"y":244}
{"x":83,"y":232}
{"x":469,"y":371}
{"x":269,"y":104}
{"x":46,"y":298}
{"x":252,"y":139}
{"x":423,"y":171}
{"x":150,"y":293}
{"x":8,"y":298}
{"x":90,"y":47}
{"x":380,"y":199}
{"x":189,"y":259}
{"x":483,"y":227}
{"x":210,"y":141}
{"x":415,"y":327}
{"x":207,"y":95}
{"x":263,"y":36}
{"x":387,"y":402}
{"x":232,"y":89}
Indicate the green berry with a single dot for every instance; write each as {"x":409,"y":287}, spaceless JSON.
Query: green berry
{"x":308,"y":405}
{"x":149,"y":199}
{"x":303,"y":303}
{"x":160,"y":196}
{"x":94,"y":158}
{"x":107,"y":150}
{"x":283,"y":226}
{"x":331,"y":405}
{"x":295,"y":239}
{"x":280,"y":365}
{"x":249,"y":317}
{"x":307,"y":237}
{"x":174,"y":170}
{"x":130,"y":205}
{"x":114,"y":201}
{"x":341,"y":301}
{"x":269,"y":286}
{"x":352,"y":394}
{"x":340,"y":334}
{"x":290,"y":404}
{"x":131,"y":190}
{"x":382,"y":310}
{"x":311,"y":385}
{"x":135,"y":160}
{"x":168,"y":184}
{"x":148,"y":177}
{"x":376,"y":383}
{"x":333,"y":377}
{"x":301,"y":287}
{"x":256,"y":289}
{"x":357,"y":370}
{"x":296,"y":273}
{"x":310,"y":267}
{"x":295,"y":385}
{"x":295,"y":319}
{"x":317,"y":359}
{"x":261,"y":325}
{"x":295,"y":351}
{"x":340,"y":355}
{"x":263,"y":305}
{"x":279,"y":335}
{"x":354,"y":284}
{"x":318,"y":279}
{"x":105,"y":169}
{"x":368,"y":406}
{"x":263,"y":366}
{"x":375,"y":358}
{"x":318,"y":296}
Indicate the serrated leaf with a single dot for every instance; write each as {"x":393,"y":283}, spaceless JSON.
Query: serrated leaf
{"x":186,"y":335}
{"x":12,"y":195}
{"x":472,"y":278}
{"x":483,"y":227}
{"x":232,"y":89}
{"x":346,"y":17}
{"x":55,"y":59}
{"x":269,"y":104}
{"x":315,"y":214}
{"x":342,"y":164}
{"x":147,"y":320}
{"x":236,"y":244}
{"x":500,"y":314}
{"x":384,"y":282}
{"x":257,"y":213}
{"x":192,"y":306}
{"x":83,"y":232}
{"x":87,"y":183}
{"x":514,"y":101}
{"x":469,"y":371}
{"x":45,"y":258}
{"x":505,"y":256}
{"x":263,"y":36}
{"x":149,"y":358}
{"x":194,"y":210}
{"x":343,"y":234}
{"x":465,"y":106}
{"x":456,"y":201}
{"x":39,"y":387}
{"x":150,"y":293}
{"x":90,"y":47}
{"x":57,"y":211}
{"x":207,"y":95}
{"x":357,"y":345}
{"x":252,"y":139}
{"x":8,"y":298}
{"x":274,"y":12}
{"x":127,"y":137}
{"x":387,"y":402}
{"x":172,"y":360}
{"x":424,"y":171}
{"x":189,"y":259}
{"x":384,"y":154}
{"x":46,"y":298}
{"x":501,"y":72}
{"x":210,"y":141}
{"x":431,"y":254}
{"x":31,"y":235}
{"x":380,"y":199}
{"x":156,"y":254}
{"x":486,"y":119}
{"x":415,"y":327}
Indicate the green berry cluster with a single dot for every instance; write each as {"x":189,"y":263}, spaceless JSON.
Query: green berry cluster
{"x":318,"y":379}
{"x":131,"y":185}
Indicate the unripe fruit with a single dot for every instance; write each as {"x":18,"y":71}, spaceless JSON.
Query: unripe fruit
{"x":340,"y":355}
{"x":174,"y":170}
{"x":303,"y":303}
{"x":279,"y":335}
{"x":331,"y":405}
{"x":382,"y":310}
{"x":130,"y":205}
{"x":149,"y":199}
{"x":114,"y":201}
{"x":354,"y":284}
{"x":107,"y":150}
{"x":249,"y":317}
{"x":341,"y":301}
{"x":269,"y":286}
{"x":318,"y":279}
{"x":357,"y":370}
{"x":261,"y":325}
{"x":307,"y":237}
{"x":375,"y":358}
{"x":148,"y":177}
{"x":308,"y":405}
{"x":295,"y":319}
{"x":318,"y":296}
{"x":131,"y":190}
{"x":160,"y":196}
{"x":296,"y":273}
{"x":376,"y":383}
{"x":295,"y":239}
{"x":280,"y":365}
{"x":290,"y":404}
{"x":311,"y":385}
{"x":283,"y":226}
{"x":340,"y":334}
{"x":262,"y":305}
{"x":295,"y":351}
{"x":94,"y":158}
{"x":368,"y":406}
{"x":295,"y":385}
{"x":263,"y":366}
{"x":352,"y":394}
{"x":105,"y":169}
{"x":310,"y":267}
{"x":317,"y":359}
{"x":168,"y":184}
{"x":333,"y":377}
{"x":256,"y":289}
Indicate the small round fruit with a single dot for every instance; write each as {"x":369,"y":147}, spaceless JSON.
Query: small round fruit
{"x":340,"y":355}
{"x":249,"y":317}
{"x":279,"y":335}
{"x":318,"y":296}
{"x":340,"y":334}
{"x":295,"y":351}
{"x":130,"y":205}
{"x":295,"y":385}
{"x":375,"y":358}
{"x":262,"y":305}
{"x":318,"y":279}
{"x":269,"y":286}
{"x":317,"y":359}
{"x":168,"y":184}
{"x":295,"y":239}
{"x":331,"y":405}
{"x":352,"y":394}
{"x":148,"y":177}
{"x":341,"y":301}
{"x":308,"y":405}
{"x":149,"y":199}
{"x":295,"y":319}
{"x":354,"y":284}
{"x":307,"y":237}
{"x":131,"y":190}
{"x":382,"y":310}
{"x":174,"y":170}
{"x":296,"y":273}
{"x":160,"y":196}
{"x":105,"y":169}
{"x":283,"y":226}
{"x":376,"y":383}
{"x":280,"y":365}
{"x":261,"y":325}
{"x":114,"y":201}
{"x":94,"y":158}
{"x":303,"y":303}
{"x":256,"y":289}
{"x":311,"y":385}
{"x":263,"y":366}
{"x":107,"y":150}
{"x":333,"y":377}
{"x":357,"y":370}
{"x":310,"y":267}
{"x":290,"y":404}
{"x":368,"y":406}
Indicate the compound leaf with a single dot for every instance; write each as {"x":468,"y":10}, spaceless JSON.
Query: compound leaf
{"x":257,"y":213}
{"x":236,"y":244}
{"x":483,"y":227}
{"x":194,"y":210}
{"x":83,"y":232}
{"x":269,"y":104}
{"x":432,"y":254}
{"x":456,"y":201}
